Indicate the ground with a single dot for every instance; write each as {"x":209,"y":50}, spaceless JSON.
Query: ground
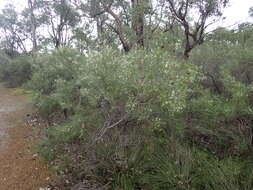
{"x":20,"y":167}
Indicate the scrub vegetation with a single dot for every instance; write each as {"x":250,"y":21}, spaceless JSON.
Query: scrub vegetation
{"x":146,"y":101}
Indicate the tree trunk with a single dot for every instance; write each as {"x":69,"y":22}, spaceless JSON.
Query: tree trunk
{"x":188,"y":46}
{"x":99,"y":24}
{"x":187,"y":51}
{"x":33,"y":25}
{"x":138,"y":20}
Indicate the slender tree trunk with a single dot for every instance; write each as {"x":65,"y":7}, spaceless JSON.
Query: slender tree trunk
{"x":99,"y":24}
{"x":33,"y":25}
{"x":138,"y":20}
{"x":187,"y":51}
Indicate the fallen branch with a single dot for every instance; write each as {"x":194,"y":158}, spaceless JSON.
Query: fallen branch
{"x":104,"y":129}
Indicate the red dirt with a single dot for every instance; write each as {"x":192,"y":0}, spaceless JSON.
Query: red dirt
{"x":20,"y":168}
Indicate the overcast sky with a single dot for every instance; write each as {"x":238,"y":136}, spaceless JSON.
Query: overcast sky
{"x":236,"y":13}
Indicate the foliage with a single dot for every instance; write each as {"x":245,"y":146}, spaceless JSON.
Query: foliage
{"x":145,"y":119}
{"x":16,"y":72}
{"x":221,"y":114}
{"x":138,"y":78}
{"x":156,"y":100}
{"x":51,"y":71}
{"x":4,"y":58}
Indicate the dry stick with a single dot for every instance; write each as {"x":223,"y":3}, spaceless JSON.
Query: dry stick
{"x":105,"y":128}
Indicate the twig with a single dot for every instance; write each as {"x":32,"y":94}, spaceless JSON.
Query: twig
{"x":105,"y":128}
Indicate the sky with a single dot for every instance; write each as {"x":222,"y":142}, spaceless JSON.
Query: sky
{"x":19,"y":4}
{"x":236,"y":13}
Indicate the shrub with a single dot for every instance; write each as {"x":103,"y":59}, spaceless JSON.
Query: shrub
{"x":50,"y":72}
{"x":136,"y":93}
{"x":142,"y":120}
{"x":142,"y":83}
{"x":244,"y":68}
{"x":16,"y":72}
{"x":4,"y":59}
{"x":58,"y":136}
{"x":62,"y":64}
{"x":221,"y":123}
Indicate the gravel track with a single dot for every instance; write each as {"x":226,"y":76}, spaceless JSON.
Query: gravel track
{"x":20,"y":168}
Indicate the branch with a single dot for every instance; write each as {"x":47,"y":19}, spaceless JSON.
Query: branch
{"x":159,"y":20}
{"x":105,"y":128}
{"x":119,"y":29}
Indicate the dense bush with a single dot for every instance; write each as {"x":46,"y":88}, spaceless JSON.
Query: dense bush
{"x":16,"y":72}
{"x":147,"y":98}
{"x":145,"y":121}
{"x":154,"y":99}
{"x":53,"y":80}
{"x":4,"y":59}
{"x":243,"y":71}
{"x":221,"y":115}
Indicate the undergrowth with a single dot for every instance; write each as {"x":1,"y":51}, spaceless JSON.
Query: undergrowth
{"x":143,"y":120}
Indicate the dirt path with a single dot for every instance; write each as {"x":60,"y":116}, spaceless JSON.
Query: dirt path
{"x":20,"y":169}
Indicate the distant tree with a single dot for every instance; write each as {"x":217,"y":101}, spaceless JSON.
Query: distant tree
{"x":61,"y":18}
{"x":245,"y":34}
{"x":222,"y":35}
{"x":195,"y":16}
{"x":33,"y":23}
{"x":13,"y":35}
{"x":32,"y":20}
{"x":251,"y":12}
{"x":126,"y":19}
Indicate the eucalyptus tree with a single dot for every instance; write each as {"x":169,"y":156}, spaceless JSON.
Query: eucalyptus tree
{"x":195,"y":16}
{"x":61,"y":18}
{"x":13,"y":35}
{"x":124,"y":18}
{"x":32,"y":20}
{"x":91,"y":32}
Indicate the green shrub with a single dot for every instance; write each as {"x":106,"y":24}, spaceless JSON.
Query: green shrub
{"x":4,"y":58}
{"x":214,"y":121}
{"x":133,"y":115}
{"x":16,"y":72}
{"x":211,"y":58}
{"x":62,"y":64}
{"x":139,"y":87}
{"x":243,"y":71}
{"x":53,"y":80}
{"x":142,"y":83}
{"x":58,"y":137}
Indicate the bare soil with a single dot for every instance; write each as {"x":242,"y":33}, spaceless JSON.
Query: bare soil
{"x":20,"y":167}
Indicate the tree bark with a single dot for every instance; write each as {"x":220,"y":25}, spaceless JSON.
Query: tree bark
{"x":119,"y":29}
{"x":138,"y":20}
{"x":33,"y":25}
